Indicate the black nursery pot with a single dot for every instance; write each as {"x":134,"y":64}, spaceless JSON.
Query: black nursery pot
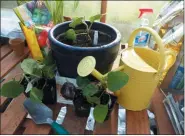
{"x":81,"y":106}
{"x":111,"y":105}
{"x":49,"y":90}
{"x":67,"y":57}
{"x":104,"y":100}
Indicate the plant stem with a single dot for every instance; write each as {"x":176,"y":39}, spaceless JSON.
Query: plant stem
{"x":44,"y":84}
{"x":102,"y":94}
{"x":90,"y":27}
{"x":81,"y":33}
{"x":87,"y":29}
{"x":85,"y":26}
{"x":26,"y":77}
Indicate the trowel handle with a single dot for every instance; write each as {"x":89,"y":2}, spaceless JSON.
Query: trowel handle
{"x":59,"y":129}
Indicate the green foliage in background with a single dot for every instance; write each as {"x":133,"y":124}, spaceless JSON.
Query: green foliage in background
{"x":56,"y":8}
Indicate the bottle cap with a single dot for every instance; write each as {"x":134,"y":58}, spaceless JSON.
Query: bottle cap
{"x":145,"y":10}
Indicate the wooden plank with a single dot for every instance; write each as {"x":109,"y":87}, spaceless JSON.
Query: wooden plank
{"x":137,"y":122}
{"x":162,"y":120}
{"x":4,"y":101}
{"x":88,"y":132}
{"x":74,"y":124}
{"x":34,"y":129}
{"x":19,"y":131}
{"x":13,"y":116}
{"x":178,"y":97}
{"x":8,"y":63}
{"x":109,"y":127}
{"x":5,"y":50}
{"x":103,"y":10}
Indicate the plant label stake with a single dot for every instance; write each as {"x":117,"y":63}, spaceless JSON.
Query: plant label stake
{"x":95,"y":41}
{"x":144,"y":67}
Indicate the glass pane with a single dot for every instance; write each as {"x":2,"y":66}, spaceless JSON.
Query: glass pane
{"x":85,"y":8}
{"x":8,"y":4}
{"x":124,"y":14}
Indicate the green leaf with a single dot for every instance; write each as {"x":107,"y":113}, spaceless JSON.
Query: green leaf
{"x":90,"y":90}
{"x":36,"y":95}
{"x":37,"y":71}
{"x":12,"y":89}
{"x":100,"y":113}
{"x":56,"y":9}
{"x":76,"y":21}
{"x":31,"y":67}
{"x":82,"y":81}
{"x":48,"y":59}
{"x":93,"y":99}
{"x":76,"y":3}
{"x":96,"y":17}
{"x":48,"y":71}
{"x":116,"y":80}
{"x":70,"y":34}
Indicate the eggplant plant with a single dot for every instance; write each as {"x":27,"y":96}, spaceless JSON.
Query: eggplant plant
{"x":93,"y":92}
{"x":33,"y":71}
{"x":72,"y":34}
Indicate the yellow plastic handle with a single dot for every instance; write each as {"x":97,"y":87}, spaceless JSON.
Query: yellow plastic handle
{"x":169,"y":53}
{"x":158,"y":40}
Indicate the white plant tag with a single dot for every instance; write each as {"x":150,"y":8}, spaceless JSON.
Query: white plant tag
{"x":29,"y":87}
{"x":61,"y":115}
{"x":95,"y":40}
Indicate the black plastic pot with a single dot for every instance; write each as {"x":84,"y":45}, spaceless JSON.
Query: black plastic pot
{"x":49,"y":89}
{"x":81,"y":106}
{"x":67,"y":57}
{"x":104,"y":100}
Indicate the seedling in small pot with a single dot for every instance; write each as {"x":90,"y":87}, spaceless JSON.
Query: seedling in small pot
{"x":95,"y":92}
{"x":36,"y":80}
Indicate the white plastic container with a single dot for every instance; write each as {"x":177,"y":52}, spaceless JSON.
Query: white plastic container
{"x":143,"y":37}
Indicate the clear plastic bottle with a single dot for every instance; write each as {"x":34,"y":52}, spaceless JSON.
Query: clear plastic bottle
{"x":142,"y":37}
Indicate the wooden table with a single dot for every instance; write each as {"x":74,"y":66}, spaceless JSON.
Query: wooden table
{"x":14,"y":121}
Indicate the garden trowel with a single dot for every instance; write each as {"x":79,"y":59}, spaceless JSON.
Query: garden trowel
{"x":41,"y":114}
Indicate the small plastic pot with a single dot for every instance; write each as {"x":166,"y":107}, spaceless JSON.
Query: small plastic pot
{"x":17,"y":45}
{"x":49,"y":89}
{"x":81,"y":106}
{"x":111,"y":105}
{"x":104,"y":100}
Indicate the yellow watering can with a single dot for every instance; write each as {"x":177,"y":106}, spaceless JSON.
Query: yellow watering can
{"x":144,"y":67}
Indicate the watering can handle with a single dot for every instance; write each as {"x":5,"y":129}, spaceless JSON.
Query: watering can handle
{"x":158,"y":40}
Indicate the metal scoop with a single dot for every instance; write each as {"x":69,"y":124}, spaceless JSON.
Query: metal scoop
{"x":41,"y":114}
